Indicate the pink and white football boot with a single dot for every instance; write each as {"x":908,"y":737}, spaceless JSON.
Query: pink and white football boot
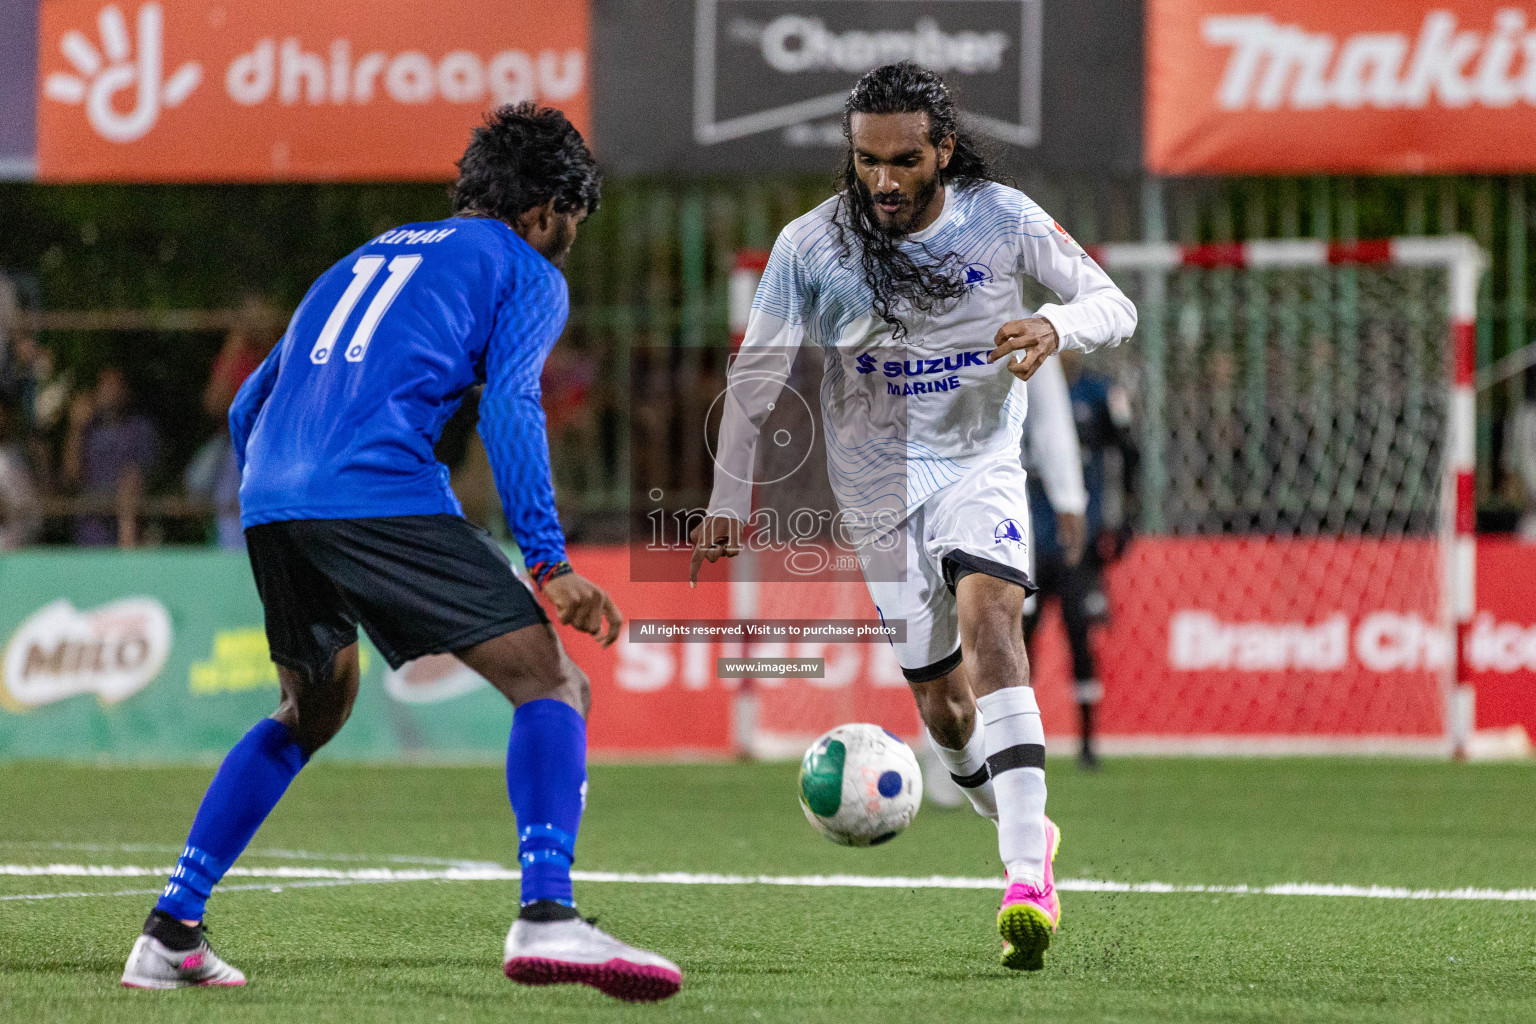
{"x":576,"y":951}
{"x":1029,"y":915}
{"x":154,"y":963}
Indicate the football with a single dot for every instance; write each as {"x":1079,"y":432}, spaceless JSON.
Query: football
{"x":860,"y":785}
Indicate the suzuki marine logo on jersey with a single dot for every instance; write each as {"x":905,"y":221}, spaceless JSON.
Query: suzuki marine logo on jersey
{"x":60,"y":651}
{"x":1008,"y":531}
{"x":117,"y":63}
{"x":943,"y":367}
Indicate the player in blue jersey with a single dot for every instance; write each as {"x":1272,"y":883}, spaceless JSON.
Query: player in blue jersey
{"x":350,"y":521}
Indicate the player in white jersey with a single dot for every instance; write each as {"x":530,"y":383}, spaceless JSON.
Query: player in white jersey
{"x":909,"y":282}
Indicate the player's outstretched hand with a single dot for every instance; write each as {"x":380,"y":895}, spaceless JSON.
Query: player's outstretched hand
{"x":715,"y":538}
{"x":583,"y":604}
{"x":1034,"y":339}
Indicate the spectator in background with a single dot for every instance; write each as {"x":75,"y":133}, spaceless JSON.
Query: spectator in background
{"x":1520,"y":456}
{"x":21,"y":510}
{"x":109,"y":455}
{"x":214,"y":475}
{"x":28,"y":386}
{"x":1076,"y":537}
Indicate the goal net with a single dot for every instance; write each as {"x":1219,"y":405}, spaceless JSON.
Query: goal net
{"x":1293,"y":580}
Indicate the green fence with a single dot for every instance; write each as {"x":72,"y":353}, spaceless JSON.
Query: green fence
{"x":651,"y":269}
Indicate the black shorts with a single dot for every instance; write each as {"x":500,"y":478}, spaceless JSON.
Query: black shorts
{"x":417,"y":584}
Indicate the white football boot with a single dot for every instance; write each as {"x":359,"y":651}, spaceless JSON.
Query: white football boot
{"x":576,"y":951}
{"x":152,"y":964}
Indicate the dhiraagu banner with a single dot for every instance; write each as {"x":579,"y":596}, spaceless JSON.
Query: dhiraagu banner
{"x":161,"y":656}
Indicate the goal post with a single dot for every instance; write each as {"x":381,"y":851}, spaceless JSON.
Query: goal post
{"x":1438,"y":275}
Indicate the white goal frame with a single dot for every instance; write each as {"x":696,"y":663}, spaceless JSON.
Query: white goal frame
{"x":1464,"y":263}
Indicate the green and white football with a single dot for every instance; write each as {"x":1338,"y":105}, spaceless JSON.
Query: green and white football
{"x":860,"y":785}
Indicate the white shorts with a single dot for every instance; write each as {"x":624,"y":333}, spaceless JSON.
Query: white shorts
{"x":979,"y":523}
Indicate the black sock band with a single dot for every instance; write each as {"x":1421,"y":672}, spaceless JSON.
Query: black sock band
{"x":1021,"y":755}
{"x":172,"y":933}
{"x":974,"y":780}
{"x":547,"y":910}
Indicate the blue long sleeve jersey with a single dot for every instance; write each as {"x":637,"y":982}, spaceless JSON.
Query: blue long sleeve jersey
{"x":340,"y":420}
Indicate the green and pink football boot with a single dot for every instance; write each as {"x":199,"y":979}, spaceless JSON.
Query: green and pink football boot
{"x":1029,"y":915}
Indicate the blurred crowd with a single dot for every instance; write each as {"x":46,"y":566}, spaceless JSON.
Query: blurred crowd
{"x":78,"y":448}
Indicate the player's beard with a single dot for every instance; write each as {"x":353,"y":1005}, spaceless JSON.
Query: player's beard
{"x":908,"y":216}
{"x":559,"y":246}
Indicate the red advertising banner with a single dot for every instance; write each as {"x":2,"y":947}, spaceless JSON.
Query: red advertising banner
{"x":1306,"y":644}
{"x":659,"y":698}
{"x":234,"y":90}
{"x":1251,"y":637}
{"x":1254,"y":86}
{"x":1501,"y":646}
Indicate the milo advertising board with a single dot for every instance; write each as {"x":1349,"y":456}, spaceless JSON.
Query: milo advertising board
{"x":162,"y":656}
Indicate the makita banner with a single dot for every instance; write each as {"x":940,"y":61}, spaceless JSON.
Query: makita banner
{"x":203,"y":90}
{"x":700,"y":86}
{"x":1410,"y":87}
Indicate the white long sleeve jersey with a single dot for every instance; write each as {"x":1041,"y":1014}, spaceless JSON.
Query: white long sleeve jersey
{"x":906,"y":417}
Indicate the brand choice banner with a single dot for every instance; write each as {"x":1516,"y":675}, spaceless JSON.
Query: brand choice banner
{"x":1242,"y":86}
{"x":759,"y":85}
{"x":184,"y":90}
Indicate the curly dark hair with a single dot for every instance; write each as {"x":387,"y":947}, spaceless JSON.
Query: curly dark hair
{"x":523,"y":156}
{"x":893,"y":275}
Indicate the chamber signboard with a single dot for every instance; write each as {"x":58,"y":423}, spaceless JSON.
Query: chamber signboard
{"x":767,"y":65}
{"x":758,"y":85}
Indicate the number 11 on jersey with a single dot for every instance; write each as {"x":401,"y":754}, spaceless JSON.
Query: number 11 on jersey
{"x":363,"y":272}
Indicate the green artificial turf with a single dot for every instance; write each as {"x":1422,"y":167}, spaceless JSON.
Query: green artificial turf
{"x":430,"y":950}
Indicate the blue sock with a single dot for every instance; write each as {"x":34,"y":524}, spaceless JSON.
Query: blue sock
{"x":547,"y":783}
{"x":248,"y":785}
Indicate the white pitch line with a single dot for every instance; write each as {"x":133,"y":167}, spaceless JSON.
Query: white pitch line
{"x":274,"y":854}
{"x":298,"y":876}
{"x":259,"y":887}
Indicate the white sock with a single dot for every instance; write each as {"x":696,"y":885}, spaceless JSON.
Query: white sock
{"x":1015,"y":745}
{"x":970,"y":764}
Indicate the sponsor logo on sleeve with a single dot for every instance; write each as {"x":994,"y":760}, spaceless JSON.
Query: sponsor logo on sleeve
{"x":60,"y":651}
{"x":1063,"y":233}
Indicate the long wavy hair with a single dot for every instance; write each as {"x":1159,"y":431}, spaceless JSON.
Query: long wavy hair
{"x":895,"y":277}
